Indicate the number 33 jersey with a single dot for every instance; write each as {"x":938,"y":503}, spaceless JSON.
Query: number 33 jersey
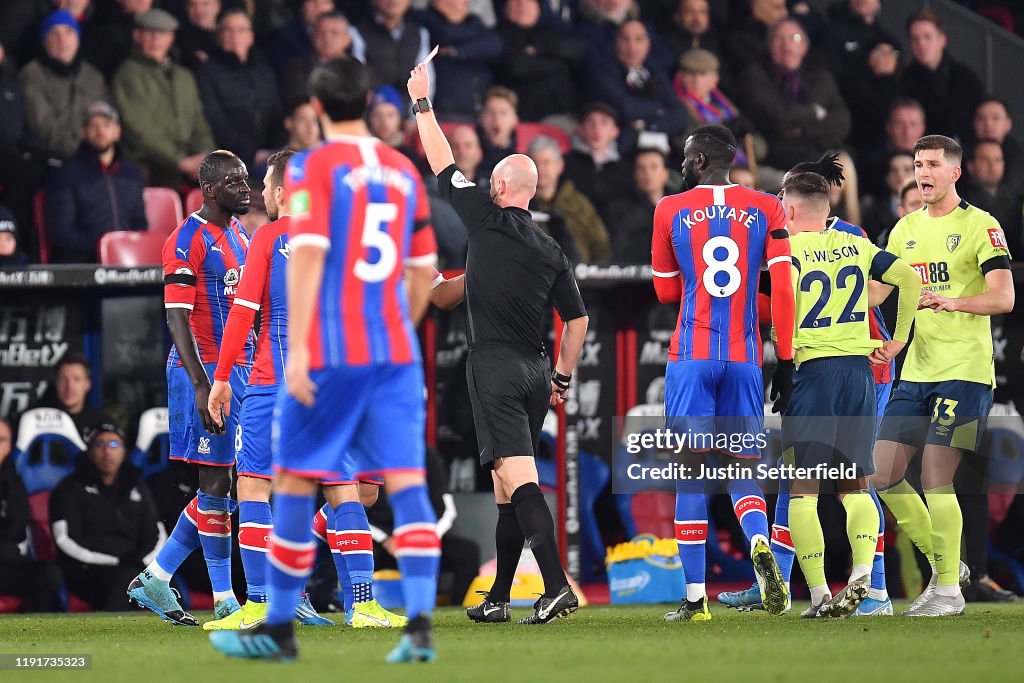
{"x":365,"y":204}
{"x":716,"y":238}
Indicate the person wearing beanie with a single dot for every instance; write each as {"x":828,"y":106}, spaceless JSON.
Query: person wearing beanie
{"x":10,"y":255}
{"x":386,"y":115}
{"x":59,"y":86}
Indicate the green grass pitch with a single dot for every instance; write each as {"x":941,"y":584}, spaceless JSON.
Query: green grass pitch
{"x":628,"y":644}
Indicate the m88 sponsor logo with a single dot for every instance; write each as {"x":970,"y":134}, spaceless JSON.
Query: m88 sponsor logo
{"x":932,"y":273}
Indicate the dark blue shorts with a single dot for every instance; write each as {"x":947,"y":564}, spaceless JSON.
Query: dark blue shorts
{"x":367,"y":420}
{"x":831,"y":416}
{"x":716,"y":397}
{"x":188,"y":438}
{"x":951,"y":413}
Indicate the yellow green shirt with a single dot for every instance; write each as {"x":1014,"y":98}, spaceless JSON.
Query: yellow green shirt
{"x":951,"y":254}
{"x":830,"y":277}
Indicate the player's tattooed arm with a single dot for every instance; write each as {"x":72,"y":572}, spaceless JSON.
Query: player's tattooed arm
{"x":188,"y":351}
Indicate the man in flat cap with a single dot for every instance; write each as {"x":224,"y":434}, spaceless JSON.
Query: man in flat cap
{"x":161,"y":112}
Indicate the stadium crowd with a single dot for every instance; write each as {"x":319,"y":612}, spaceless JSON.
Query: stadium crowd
{"x":102,"y":98}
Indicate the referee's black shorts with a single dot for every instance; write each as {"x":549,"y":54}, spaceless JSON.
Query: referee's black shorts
{"x":509,"y":388}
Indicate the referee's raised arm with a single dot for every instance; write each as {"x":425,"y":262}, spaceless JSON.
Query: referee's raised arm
{"x":435,"y":144}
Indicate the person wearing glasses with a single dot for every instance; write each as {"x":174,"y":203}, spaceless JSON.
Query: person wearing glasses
{"x":104,"y":521}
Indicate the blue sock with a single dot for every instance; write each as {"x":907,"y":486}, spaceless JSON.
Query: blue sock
{"x":292,"y":553}
{"x":215,"y":537}
{"x":878,"y":565}
{"x":417,"y":548}
{"x":750,"y":508}
{"x":352,"y":531}
{"x":254,"y":527}
{"x":183,"y":541}
{"x":691,"y":525}
{"x":782,"y":541}
{"x":323,"y":528}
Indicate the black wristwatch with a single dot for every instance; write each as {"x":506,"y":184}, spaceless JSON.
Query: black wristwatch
{"x":421,"y":105}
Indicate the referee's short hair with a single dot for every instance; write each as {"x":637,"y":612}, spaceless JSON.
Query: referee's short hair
{"x":808,"y":186}
{"x":215,"y":164}
{"x":951,"y":149}
{"x":341,"y":86}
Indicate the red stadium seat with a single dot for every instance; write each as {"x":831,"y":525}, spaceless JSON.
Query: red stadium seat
{"x":163,"y":209}
{"x":43,"y":545}
{"x":447,"y":127}
{"x":528,"y":132}
{"x":39,"y":218}
{"x":128,"y":248}
{"x":193,"y":201}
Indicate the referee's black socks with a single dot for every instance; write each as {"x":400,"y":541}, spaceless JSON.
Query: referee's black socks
{"x":539,"y":530}
{"x":508,"y":540}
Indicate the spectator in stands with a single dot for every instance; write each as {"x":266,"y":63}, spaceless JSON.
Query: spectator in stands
{"x":460,"y":556}
{"x":239,"y":92}
{"x":294,"y":39}
{"x":59,"y":86}
{"x":633,"y":218}
{"x":989,"y":190}
{"x":696,"y":85}
{"x":95,"y":192}
{"x":691,"y":28}
{"x":197,"y":37}
{"x":594,"y":164}
{"x":10,"y":255}
{"x":558,"y":195}
{"x":992,"y":122}
{"x":641,"y":93}
{"x":72,"y":382}
{"x":600,"y":21}
{"x":331,"y":40}
{"x":748,"y":43}
{"x":463,"y":62}
{"x":113,"y":40}
{"x":853,"y":29}
{"x":21,"y":168}
{"x":384,"y":116}
{"x":164,"y":125}
{"x":911,"y":200}
{"x":497,"y":127}
{"x":794,"y":103}
{"x":538,"y":61}
{"x":469,"y":154}
{"x":302,"y":126}
{"x":391,"y":43}
{"x":904,"y":126}
{"x":104,"y":522}
{"x":881,"y":211}
{"x":742,"y":175}
{"x":37,"y":584}
{"x":948,"y":90}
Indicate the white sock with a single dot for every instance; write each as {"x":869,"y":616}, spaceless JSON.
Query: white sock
{"x":858,"y":571}
{"x":947,"y":591}
{"x":695,"y":592}
{"x":755,"y":539}
{"x":222,"y":596}
{"x":789,"y":588}
{"x":819,"y":594}
{"x":158,"y":572}
{"x":878,"y":594}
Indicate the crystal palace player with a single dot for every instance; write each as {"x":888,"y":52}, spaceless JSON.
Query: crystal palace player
{"x":354,"y":380}
{"x":708,"y":246}
{"x":203,"y":260}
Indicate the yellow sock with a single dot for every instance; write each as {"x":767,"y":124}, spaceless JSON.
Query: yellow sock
{"x":861,"y":528}
{"x":808,"y":540}
{"x":947,"y":528}
{"x":911,"y":514}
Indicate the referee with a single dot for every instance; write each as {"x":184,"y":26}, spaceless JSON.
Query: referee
{"x":514,"y":273}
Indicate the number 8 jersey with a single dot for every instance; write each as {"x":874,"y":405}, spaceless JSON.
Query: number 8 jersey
{"x":364,"y":202}
{"x":715,"y":238}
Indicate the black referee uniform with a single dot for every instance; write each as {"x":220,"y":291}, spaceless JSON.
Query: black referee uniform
{"x":514,"y":274}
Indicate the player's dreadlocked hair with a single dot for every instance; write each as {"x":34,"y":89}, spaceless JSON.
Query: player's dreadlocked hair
{"x":828,"y":167}
{"x":806,"y":184}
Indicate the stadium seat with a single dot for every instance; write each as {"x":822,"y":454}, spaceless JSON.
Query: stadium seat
{"x":129,"y":248}
{"x":152,"y":446}
{"x":41,"y":542}
{"x":527,"y":132}
{"x":193,"y":201}
{"x":39,"y":219}
{"x":48,"y":445}
{"x":163,"y":209}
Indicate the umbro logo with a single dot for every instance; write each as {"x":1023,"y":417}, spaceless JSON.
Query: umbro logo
{"x":911,"y":244}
